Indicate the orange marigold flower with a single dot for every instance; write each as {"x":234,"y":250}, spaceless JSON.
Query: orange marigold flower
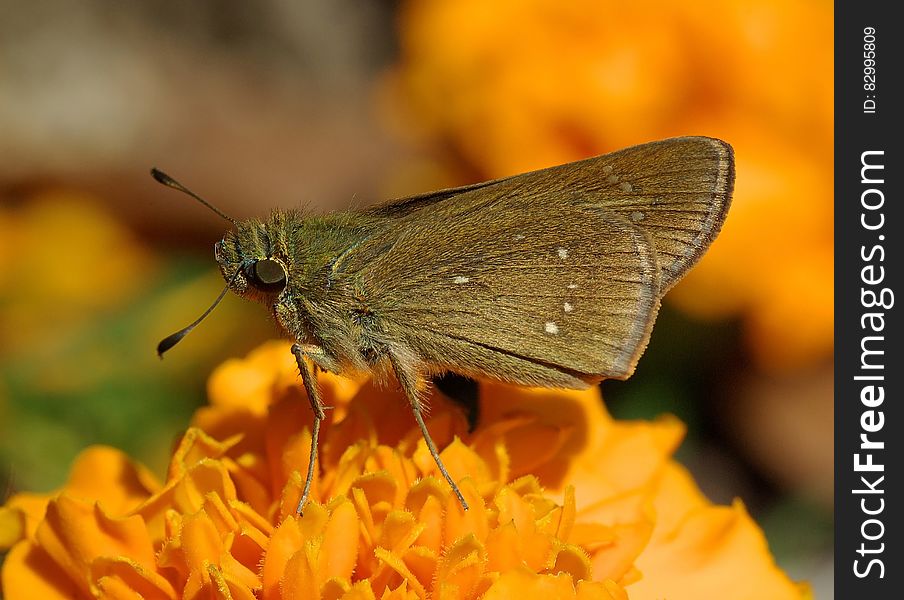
{"x":565,"y":503}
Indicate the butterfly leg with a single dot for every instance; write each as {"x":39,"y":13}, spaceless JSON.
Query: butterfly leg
{"x":309,"y":381}
{"x":408,"y":378}
{"x":319,"y":357}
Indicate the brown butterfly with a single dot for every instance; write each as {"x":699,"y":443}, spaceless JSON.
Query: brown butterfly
{"x":551,"y":278}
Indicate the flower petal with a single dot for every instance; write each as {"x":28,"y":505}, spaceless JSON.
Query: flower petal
{"x":30,"y":572}
{"x":284,"y":543}
{"x":340,"y":542}
{"x":110,"y":477}
{"x":75,"y":533}
{"x":120,"y":577}
{"x":714,"y":552}
{"x":462,"y":566}
{"x":12,"y":526}
{"x":525,"y":584}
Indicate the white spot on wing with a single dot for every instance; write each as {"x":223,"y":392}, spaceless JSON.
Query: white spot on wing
{"x":612,"y":179}
{"x":568,"y":307}
{"x":461,"y":279}
{"x":519,"y":236}
{"x":607,"y":169}
{"x":572,"y":286}
{"x":552,"y":328}
{"x":625,"y":186}
{"x":563,"y":253}
{"x":637,"y":216}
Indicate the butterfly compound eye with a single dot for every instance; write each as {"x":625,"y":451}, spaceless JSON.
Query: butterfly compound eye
{"x":268,"y":275}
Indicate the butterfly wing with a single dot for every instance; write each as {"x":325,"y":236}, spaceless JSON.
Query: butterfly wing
{"x":677,"y":190}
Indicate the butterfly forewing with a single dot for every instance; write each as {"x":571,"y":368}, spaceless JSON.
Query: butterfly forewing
{"x":678,"y":190}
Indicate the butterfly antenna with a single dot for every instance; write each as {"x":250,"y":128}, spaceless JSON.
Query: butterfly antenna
{"x":168,"y":181}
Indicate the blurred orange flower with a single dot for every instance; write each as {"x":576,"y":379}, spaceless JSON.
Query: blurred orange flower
{"x":511,"y":86}
{"x":56,"y":251}
{"x":565,"y":503}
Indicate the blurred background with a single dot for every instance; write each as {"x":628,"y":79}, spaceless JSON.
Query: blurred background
{"x":324,"y":103}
